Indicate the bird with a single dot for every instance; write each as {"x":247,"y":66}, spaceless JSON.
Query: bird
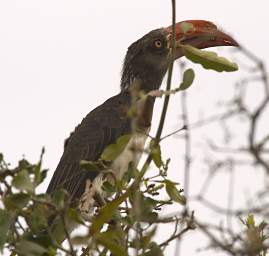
{"x":144,"y":67}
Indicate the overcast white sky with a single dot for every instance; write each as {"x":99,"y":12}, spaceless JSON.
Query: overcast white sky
{"x":60,"y":59}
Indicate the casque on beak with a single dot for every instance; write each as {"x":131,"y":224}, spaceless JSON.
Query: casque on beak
{"x":200,"y":34}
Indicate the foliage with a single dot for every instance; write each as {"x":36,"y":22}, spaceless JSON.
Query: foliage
{"x":33,"y":223}
{"x":255,"y":236}
{"x":208,"y":59}
{"x":126,"y":222}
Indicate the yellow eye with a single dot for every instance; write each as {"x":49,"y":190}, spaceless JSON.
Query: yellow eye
{"x":158,"y":43}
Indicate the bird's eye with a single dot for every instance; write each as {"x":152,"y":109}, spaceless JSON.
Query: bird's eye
{"x":158,"y":43}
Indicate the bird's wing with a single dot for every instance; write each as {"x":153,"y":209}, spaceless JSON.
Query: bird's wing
{"x":98,"y":129}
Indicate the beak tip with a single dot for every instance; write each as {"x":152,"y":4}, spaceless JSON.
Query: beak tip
{"x":227,"y":39}
{"x":236,"y":44}
{"x":231,"y":42}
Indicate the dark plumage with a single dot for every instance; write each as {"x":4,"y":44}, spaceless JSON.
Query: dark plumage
{"x":144,"y":67}
{"x":99,"y":128}
{"x":144,"y":63}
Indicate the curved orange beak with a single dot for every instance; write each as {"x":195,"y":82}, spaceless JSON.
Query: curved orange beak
{"x":200,"y":34}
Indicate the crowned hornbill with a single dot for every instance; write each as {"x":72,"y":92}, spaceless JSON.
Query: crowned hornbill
{"x":144,"y":67}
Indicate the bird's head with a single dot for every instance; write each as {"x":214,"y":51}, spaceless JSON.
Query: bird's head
{"x":148,"y":58}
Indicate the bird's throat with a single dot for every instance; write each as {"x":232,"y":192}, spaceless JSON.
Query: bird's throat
{"x":147,"y":80}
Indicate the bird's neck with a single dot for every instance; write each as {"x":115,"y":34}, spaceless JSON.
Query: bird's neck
{"x":148,"y":79}
{"x":141,"y":107}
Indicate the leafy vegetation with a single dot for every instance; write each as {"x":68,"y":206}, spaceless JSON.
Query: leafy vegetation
{"x":126,"y":221}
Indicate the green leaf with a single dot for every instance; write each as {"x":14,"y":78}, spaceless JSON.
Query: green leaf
{"x":131,"y":173}
{"x":173,"y":192}
{"x":155,"y":250}
{"x":156,"y":188}
{"x":112,"y":151}
{"x":128,"y":220}
{"x":262,"y":225}
{"x":106,"y":212}
{"x":209,"y":60}
{"x":107,"y":239}
{"x":22,"y":181}
{"x":37,"y":220}
{"x":73,"y":215}
{"x":16,"y":201}
{"x":59,"y":197}
{"x":5,"y":222}
{"x":143,"y":207}
{"x":250,"y":221}
{"x":23,"y":164}
{"x":149,"y":217}
{"x":108,"y":187}
{"x":40,"y":174}
{"x":188,"y":78}
{"x":28,"y":248}
{"x":43,"y":198}
{"x":58,"y":233}
{"x":156,"y":155}
{"x":94,"y":167}
{"x":186,"y":27}
{"x":90,"y":165}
